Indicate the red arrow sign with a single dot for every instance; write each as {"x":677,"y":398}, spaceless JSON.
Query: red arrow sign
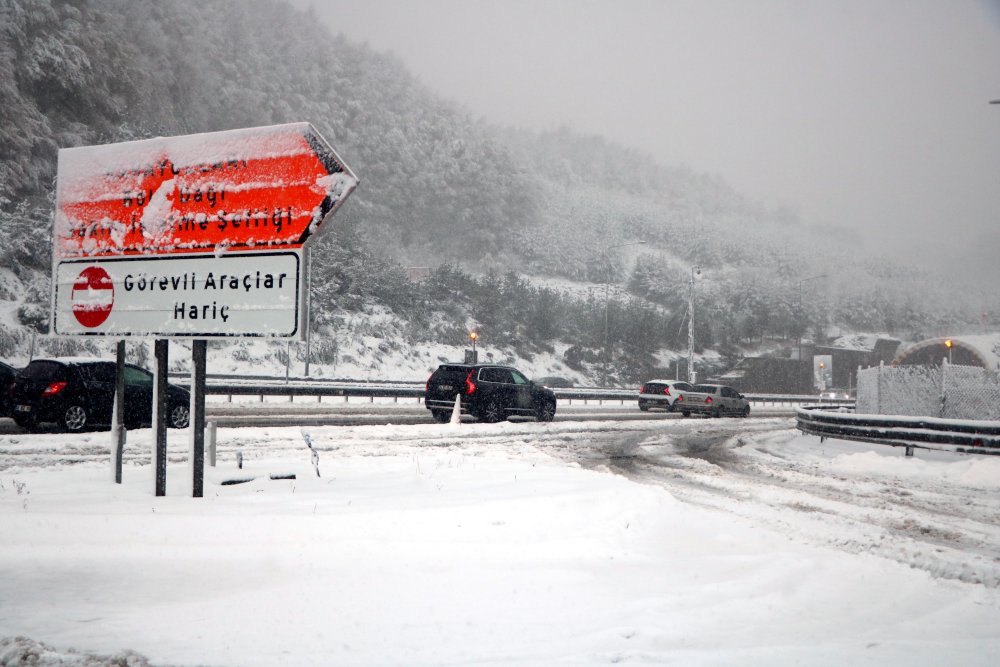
{"x":252,"y":189}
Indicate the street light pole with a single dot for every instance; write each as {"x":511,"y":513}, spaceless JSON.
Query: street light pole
{"x":695,"y":270}
{"x":804,"y":280}
{"x":607,"y":287}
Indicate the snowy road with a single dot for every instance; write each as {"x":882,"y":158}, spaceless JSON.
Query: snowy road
{"x":706,"y":542}
{"x":250,"y":413}
{"x":760,"y":469}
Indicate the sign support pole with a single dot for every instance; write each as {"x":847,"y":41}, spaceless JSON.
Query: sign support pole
{"x":307,"y":302}
{"x":197,"y":425}
{"x":160,"y":412}
{"x":118,"y":416}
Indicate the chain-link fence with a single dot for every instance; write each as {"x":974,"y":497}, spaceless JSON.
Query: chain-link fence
{"x":947,"y":391}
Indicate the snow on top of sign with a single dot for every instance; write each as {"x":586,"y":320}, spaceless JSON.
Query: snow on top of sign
{"x":194,"y":149}
{"x":155,"y":215}
{"x":157,"y":195}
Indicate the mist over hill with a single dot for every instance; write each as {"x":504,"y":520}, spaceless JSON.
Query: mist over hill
{"x":519,"y":228}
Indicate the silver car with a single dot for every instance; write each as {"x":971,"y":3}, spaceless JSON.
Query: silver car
{"x":663,"y":395}
{"x":717,"y":400}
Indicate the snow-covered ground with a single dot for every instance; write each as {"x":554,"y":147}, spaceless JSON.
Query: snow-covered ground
{"x":710,"y":542}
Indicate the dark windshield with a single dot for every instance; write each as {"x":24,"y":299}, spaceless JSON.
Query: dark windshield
{"x":44,"y":370}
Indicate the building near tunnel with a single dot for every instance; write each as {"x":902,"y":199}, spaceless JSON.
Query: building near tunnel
{"x":841,"y":358}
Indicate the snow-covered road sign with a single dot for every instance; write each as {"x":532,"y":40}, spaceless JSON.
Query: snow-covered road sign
{"x":263,"y":188}
{"x":208,"y":203}
{"x":192,"y":296}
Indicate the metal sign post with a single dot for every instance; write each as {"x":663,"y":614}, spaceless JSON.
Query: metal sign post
{"x":198,"y":354}
{"x":118,"y":413}
{"x":160,"y":415}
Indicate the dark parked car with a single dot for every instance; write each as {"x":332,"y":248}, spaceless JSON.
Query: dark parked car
{"x":79,"y":393}
{"x":7,"y":374}
{"x":488,"y":392}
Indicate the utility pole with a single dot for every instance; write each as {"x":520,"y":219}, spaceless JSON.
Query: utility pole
{"x":607,"y":287}
{"x":695,"y":270}
{"x":799,"y":313}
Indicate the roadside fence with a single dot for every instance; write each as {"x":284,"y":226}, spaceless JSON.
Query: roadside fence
{"x":945,"y":391}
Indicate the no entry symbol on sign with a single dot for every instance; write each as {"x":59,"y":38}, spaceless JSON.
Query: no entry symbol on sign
{"x":93,"y":296}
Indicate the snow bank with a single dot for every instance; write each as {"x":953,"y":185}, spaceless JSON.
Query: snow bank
{"x":431,"y":545}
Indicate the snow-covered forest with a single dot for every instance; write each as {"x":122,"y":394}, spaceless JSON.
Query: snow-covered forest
{"x":515,"y":226}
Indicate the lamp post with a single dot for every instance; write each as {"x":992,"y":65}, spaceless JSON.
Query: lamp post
{"x":607,"y":285}
{"x":474,"y":336}
{"x":804,"y":280}
{"x":695,"y":271}
{"x":948,"y":344}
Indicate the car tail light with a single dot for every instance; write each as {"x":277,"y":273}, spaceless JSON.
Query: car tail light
{"x":642,"y":390}
{"x":54,"y":388}
{"x":680,"y":397}
{"x":470,"y":386}
{"x":666,"y":390}
{"x":708,"y":399}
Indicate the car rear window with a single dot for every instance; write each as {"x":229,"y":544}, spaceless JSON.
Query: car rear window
{"x":450,"y":373}
{"x":704,"y":388}
{"x":653,"y":387}
{"x":45,"y":370}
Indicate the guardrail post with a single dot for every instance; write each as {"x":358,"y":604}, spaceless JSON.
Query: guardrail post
{"x":944,"y":387}
{"x":210,"y":442}
{"x":909,"y":450}
{"x":878,"y":389}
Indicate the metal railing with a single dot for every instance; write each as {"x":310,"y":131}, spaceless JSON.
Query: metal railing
{"x":262,"y":386}
{"x":908,"y":432}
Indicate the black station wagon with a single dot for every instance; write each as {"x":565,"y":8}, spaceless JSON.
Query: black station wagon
{"x":488,"y":392}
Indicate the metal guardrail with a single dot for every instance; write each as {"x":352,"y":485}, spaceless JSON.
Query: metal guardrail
{"x":319,"y":387}
{"x":908,"y":432}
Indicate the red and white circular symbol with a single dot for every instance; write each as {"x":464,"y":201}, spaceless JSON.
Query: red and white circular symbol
{"x":93,"y":296}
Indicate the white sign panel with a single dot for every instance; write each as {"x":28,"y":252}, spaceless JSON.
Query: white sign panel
{"x":254,"y":294}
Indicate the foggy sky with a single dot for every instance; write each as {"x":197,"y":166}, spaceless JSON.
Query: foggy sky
{"x":867,"y":114}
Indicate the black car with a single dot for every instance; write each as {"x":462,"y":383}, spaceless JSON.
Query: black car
{"x":7,"y":375}
{"x":80,"y":393}
{"x":488,"y":392}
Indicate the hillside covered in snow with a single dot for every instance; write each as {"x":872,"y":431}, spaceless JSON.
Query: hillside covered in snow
{"x":501,"y":218}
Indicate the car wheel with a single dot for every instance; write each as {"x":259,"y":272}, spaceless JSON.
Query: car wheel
{"x":179,"y":417}
{"x":440,"y":416}
{"x":74,"y":418}
{"x":643,"y":407}
{"x":685,"y":413}
{"x":492,"y":412}
{"x":26,"y":423}
{"x":746,"y":412}
{"x":547,"y":412}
